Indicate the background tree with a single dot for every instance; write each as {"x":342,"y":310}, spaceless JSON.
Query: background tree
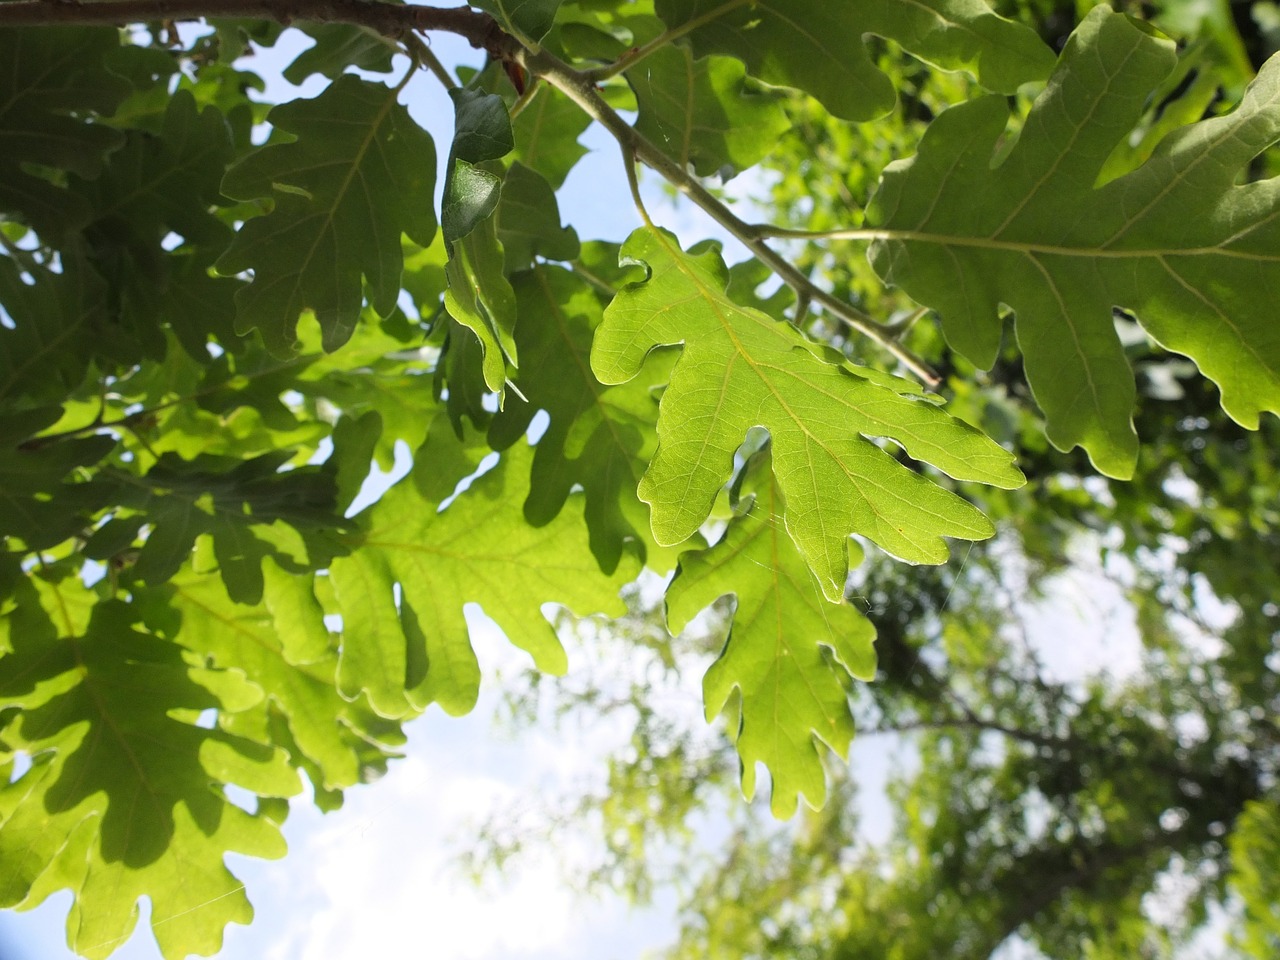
{"x":216,"y":317}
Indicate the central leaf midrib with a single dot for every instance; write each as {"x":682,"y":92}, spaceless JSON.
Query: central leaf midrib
{"x":331,"y":213}
{"x":1029,"y":248}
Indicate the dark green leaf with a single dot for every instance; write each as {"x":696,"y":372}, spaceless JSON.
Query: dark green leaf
{"x":817,"y":46}
{"x":360,"y":173}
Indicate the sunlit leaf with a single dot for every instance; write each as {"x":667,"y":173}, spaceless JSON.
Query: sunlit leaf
{"x":125,"y":800}
{"x":818,"y":46}
{"x":1177,"y":241}
{"x":740,"y":369}
{"x":790,"y":652}
{"x":600,"y":437}
{"x":406,"y":643}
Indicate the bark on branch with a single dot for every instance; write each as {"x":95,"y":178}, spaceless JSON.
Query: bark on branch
{"x":391,"y":20}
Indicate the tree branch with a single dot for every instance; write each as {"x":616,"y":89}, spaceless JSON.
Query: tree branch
{"x":578,"y":88}
{"x":391,"y":20}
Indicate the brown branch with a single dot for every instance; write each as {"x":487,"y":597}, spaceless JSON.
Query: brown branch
{"x":391,"y":20}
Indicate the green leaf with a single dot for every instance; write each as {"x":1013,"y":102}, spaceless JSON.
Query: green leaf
{"x":470,"y":198}
{"x":380,"y":372}
{"x":479,"y":296}
{"x":52,"y":83}
{"x":282,"y":648}
{"x":1178,"y":241}
{"x":360,"y":173}
{"x":59,"y":321}
{"x":789,"y":653}
{"x":124,"y":800}
{"x":526,"y":19}
{"x":154,"y":186}
{"x":184,"y":499}
{"x":405,"y":655}
{"x":482,"y":127}
{"x":546,"y":134}
{"x":817,"y":46}
{"x":701,"y":113}
{"x":528,"y":221}
{"x":1255,"y":851}
{"x":41,"y":502}
{"x":741,"y":369}
{"x":337,"y":47}
{"x":599,"y":437}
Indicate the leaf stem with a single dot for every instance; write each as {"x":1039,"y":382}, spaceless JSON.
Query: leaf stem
{"x":770,"y":230}
{"x":426,"y":56}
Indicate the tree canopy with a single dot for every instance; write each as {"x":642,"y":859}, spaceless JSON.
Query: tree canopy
{"x":1004,"y":273}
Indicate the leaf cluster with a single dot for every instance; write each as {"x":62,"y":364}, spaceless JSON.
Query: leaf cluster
{"x":218,"y":316}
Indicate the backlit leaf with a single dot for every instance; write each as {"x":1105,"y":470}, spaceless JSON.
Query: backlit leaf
{"x":529,"y":19}
{"x":700,"y":113}
{"x":479,"y":296}
{"x":741,"y":369}
{"x":790,"y":652}
{"x":600,"y":437}
{"x":817,"y":46}
{"x":407,"y":651}
{"x":125,"y":800}
{"x":1177,"y":241}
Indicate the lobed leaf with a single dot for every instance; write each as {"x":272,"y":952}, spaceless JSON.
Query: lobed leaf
{"x":59,"y":321}
{"x":52,"y":84}
{"x":155,"y":186}
{"x":817,"y":46}
{"x":741,"y":369}
{"x":528,"y":221}
{"x":701,"y":113}
{"x":360,"y":173}
{"x":283,"y":649}
{"x":546,"y":134}
{"x":789,"y":653}
{"x":409,"y":652}
{"x":232,"y":501}
{"x":124,"y":798}
{"x":600,"y":437}
{"x":1178,"y":241}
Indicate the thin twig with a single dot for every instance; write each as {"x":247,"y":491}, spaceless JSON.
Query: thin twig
{"x":581,"y":91}
{"x":426,"y":56}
